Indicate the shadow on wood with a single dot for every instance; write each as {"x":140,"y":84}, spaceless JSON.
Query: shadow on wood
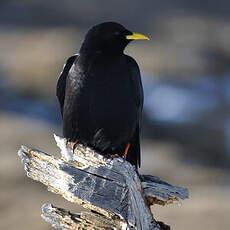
{"x":111,"y":189}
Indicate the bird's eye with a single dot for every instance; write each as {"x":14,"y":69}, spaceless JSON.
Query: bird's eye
{"x":117,"y":33}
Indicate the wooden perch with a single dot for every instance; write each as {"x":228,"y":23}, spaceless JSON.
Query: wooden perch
{"x":117,"y":197}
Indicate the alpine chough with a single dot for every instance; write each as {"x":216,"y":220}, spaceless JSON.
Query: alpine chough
{"x":101,"y":95}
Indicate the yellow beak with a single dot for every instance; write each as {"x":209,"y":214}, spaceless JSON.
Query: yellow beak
{"x":135,"y":36}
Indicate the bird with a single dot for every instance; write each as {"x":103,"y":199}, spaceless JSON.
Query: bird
{"x":101,"y":95}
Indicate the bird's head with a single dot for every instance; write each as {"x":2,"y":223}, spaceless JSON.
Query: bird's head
{"x":109,"y":37}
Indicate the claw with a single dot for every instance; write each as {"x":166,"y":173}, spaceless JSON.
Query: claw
{"x":114,"y":155}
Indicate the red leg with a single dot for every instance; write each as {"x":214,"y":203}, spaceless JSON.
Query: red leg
{"x":126,"y":150}
{"x":75,"y":145}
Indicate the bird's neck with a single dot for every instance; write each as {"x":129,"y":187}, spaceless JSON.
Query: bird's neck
{"x":89,"y":49}
{"x":88,"y":59}
{"x":93,"y":52}
{"x":89,"y":54}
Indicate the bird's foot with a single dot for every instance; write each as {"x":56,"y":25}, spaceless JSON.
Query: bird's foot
{"x":124,"y":154}
{"x":126,"y":151}
{"x":114,"y":155}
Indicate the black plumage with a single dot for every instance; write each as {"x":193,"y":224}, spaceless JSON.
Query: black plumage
{"x":100,"y":93}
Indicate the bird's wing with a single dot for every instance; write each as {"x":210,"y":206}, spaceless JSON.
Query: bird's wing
{"x":136,"y":80}
{"x":61,"y":84}
{"x":134,"y":152}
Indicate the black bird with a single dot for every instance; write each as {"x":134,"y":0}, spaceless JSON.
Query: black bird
{"x":101,"y":95}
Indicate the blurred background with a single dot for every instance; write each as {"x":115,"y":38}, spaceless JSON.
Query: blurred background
{"x":186,"y":76}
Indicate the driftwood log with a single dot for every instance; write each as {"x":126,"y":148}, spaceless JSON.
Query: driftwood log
{"x":116,"y":196}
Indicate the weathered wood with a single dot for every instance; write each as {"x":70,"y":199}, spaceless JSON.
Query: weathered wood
{"x":62,"y":219}
{"x":159,"y":192}
{"x":111,"y":188}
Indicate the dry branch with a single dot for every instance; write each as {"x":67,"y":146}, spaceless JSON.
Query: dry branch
{"x":111,"y":188}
